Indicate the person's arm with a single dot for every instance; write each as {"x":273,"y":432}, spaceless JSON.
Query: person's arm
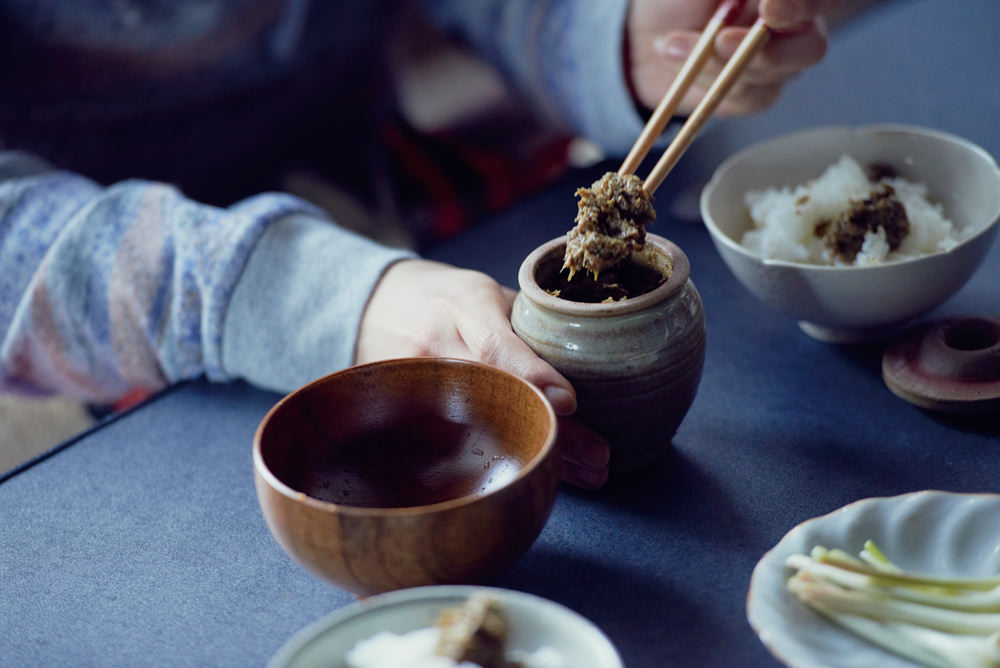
{"x":566,"y":55}
{"x":105,"y":290}
{"x":599,"y":67}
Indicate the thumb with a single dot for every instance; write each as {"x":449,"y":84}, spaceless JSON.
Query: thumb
{"x":513,"y":354}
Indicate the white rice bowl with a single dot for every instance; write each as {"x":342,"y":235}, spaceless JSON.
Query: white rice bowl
{"x":785,"y":218}
{"x":861,"y":301}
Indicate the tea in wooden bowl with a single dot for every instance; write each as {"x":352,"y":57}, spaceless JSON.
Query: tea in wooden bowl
{"x":407,"y":472}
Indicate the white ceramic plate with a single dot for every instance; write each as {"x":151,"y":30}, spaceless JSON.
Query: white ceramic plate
{"x":929,"y":531}
{"x":534,"y":622}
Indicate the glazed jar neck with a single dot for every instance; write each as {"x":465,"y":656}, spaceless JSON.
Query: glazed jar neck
{"x":664,"y":252}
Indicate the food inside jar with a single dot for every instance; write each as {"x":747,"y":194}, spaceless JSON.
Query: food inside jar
{"x":628,"y":278}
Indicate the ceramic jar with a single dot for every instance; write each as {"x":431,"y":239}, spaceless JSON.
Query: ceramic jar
{"x":635,"y":364}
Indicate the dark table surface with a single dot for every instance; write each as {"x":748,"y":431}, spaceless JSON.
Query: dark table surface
{"x":141,"y":542}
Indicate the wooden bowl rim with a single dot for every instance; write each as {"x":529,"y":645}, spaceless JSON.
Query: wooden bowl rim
{"x":277,"y":485}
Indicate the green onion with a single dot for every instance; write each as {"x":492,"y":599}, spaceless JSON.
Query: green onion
{"x":933,"y":620}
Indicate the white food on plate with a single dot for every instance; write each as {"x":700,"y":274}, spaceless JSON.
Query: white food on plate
{"x":416,"y":650}
{"x":965,"y":531}
{"x":936,"y":621}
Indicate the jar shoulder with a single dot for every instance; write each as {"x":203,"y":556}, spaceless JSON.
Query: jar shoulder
{"x":671,"y":325}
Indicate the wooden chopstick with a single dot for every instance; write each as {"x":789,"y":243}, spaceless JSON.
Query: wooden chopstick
{"x":693,"y":64}
{"x":753,"y":41}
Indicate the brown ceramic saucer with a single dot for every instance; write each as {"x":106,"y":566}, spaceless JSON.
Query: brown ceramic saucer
{"x":951,"y":366}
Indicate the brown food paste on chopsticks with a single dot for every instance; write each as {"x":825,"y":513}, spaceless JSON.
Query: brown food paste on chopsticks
{"x":612,"y":215}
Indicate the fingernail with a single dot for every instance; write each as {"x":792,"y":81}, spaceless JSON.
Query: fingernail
{"x":728,"y":42}
{"x":784,"y":15}
{"x":563,"y":402}
{"x":594,"y":453}
{"x":587,"y":479}
{"x":673,"y":46}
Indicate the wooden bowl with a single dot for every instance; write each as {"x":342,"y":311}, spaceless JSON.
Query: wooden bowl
{"x":407,"y":472}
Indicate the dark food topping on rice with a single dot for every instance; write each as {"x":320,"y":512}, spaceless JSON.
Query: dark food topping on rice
{"x":845,"y":234}
{"x":610,"y":223}
{"x":880,"y":171}
{"x":475,"y":632}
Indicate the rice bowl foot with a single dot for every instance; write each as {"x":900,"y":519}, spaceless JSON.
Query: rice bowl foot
{"x":849,"y":335}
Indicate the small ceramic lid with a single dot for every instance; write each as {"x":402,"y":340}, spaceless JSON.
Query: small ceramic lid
{"x":952,"y":365}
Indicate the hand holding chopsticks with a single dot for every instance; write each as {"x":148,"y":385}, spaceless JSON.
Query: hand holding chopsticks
{"x":751,"y":44}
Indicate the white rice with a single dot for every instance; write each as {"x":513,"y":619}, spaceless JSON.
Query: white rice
{"x":416,"y":650}
{"x":785,"y":219}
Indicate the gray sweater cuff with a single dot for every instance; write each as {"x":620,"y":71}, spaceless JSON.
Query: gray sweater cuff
{"x":606,"y":111}
{"x":295,"y":312}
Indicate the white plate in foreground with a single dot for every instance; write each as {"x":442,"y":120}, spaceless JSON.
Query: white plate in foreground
{"x":928,"y":532}
{"x":533,"y":622}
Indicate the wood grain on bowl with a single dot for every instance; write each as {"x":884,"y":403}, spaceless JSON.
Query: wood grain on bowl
{"x":408,"y":472}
